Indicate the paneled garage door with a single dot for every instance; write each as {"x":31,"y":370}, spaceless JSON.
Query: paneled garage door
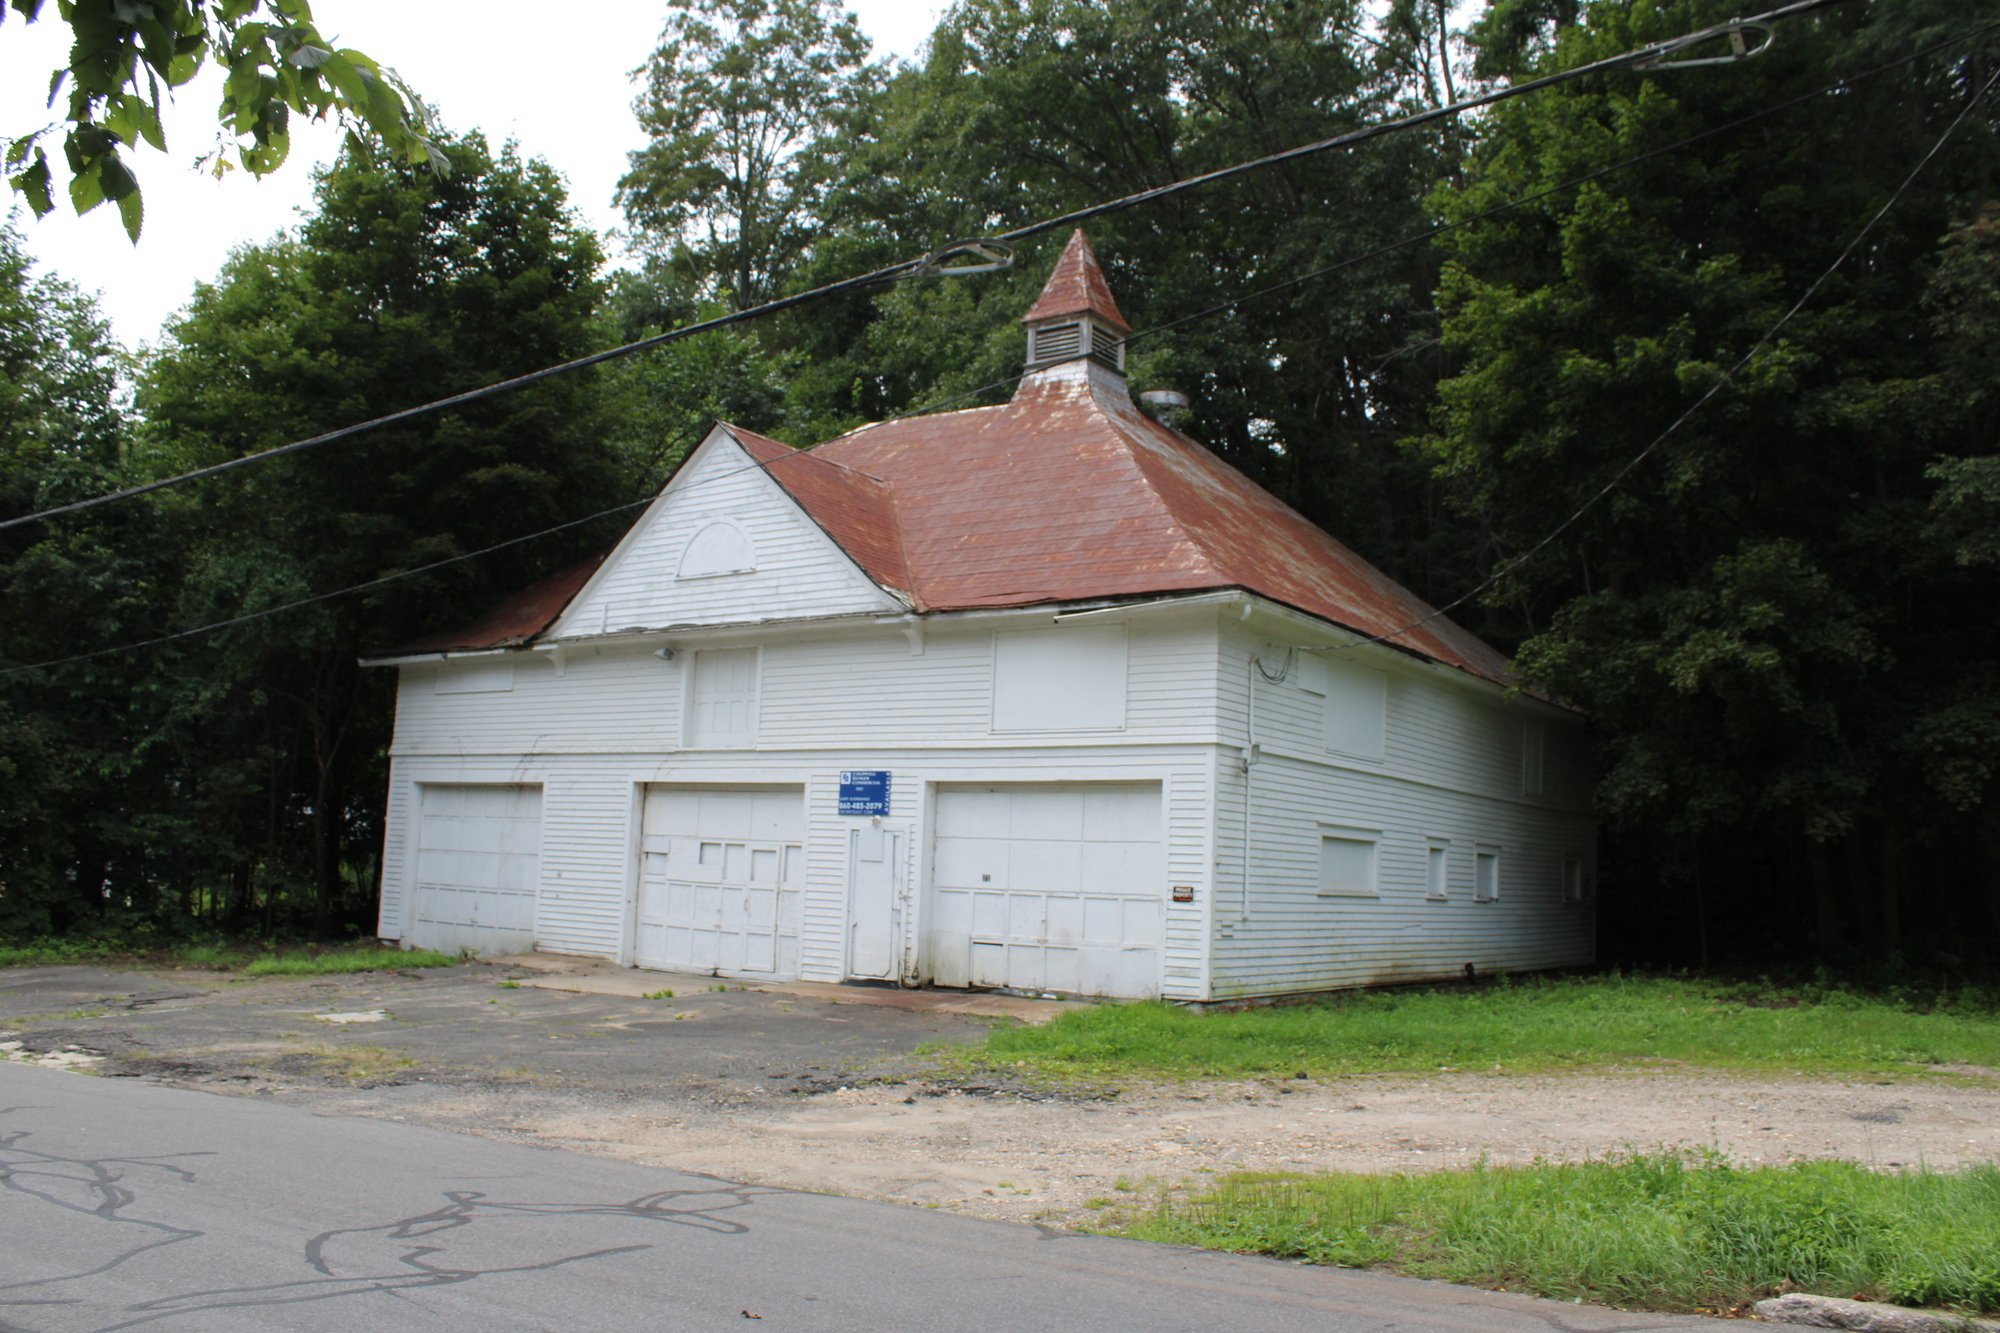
{"x":478,"y":861}
{"x":720,"y":881}
{"x":1048,"y":887}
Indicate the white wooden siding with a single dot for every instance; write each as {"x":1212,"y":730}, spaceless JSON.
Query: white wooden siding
{"x":599,"y":699}
{"x":799,"y":572}
{"x":1450,"y":773}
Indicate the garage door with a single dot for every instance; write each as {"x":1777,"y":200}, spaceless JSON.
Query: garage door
{"x":720,"y":880}
{"x":1048,"y":887}
{"x":478,"y":862}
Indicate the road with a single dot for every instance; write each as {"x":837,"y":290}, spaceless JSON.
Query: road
{"x":129,"y":1205}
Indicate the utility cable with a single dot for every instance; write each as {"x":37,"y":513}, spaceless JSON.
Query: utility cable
{"x":1154,"y":330}
{"x":933,"y":262}
{"x":1726,"y":378}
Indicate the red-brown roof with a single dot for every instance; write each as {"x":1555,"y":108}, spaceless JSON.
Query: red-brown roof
{"x":1068,"y":493}
{"x":516,"y":620}
{"x":1077,"y":287}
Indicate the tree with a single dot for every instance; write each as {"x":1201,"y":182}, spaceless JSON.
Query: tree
{"x":276,"y":64}
{"x":403,"y":287}
{"x":1767,"y":618}
{"x":1025,"y":109}
{"x":739,"y":95}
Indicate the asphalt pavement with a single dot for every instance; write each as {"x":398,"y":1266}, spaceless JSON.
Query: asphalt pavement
{"x":126,"y":1205}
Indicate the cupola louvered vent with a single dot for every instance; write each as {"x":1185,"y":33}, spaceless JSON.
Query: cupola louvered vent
{"x":1057,"y":342}
{"x":1107,"y":346}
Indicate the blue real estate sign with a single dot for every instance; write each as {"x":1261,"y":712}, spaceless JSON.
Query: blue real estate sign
{"x":864,"y":791}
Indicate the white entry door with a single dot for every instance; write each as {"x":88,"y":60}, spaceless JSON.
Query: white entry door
{"x":478,"y":862}
{"x":877,"y":856}
{"x":719,"y":881}
{"x":1048,"y":886}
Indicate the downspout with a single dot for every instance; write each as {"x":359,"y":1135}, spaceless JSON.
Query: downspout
{"x":1249,"y":762}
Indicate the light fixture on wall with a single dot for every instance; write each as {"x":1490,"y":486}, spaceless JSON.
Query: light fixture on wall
{"x":665,"y":654}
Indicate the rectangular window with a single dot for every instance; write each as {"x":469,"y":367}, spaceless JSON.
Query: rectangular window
{"x":1437,"y":871}
{"x":1346,"y":867}
{"x":1356,"y":705}
{"x":1486,"y":874}
{"x":1059,"y":679}
{"x":1572,"y":880}
{"x":722,"y":699}
{"x":1532,"y":744}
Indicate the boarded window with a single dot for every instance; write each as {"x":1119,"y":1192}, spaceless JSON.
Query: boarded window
{"x":1059,"y":679}
{"x":476,"y":678}
{"x":1437,"y":871}
{"x":1533,"y":742}
{"x":1486,"y":874}
{"x":1346,"y":866}
{"x":1356,"y":703}
{"x":722,"y":699}
{"x":719,"y":548}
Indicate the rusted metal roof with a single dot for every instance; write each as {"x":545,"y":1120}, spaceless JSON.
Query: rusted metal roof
{"x":515,"y":621}
{"x":1068,"y":493}
{"x":1077,"y":287}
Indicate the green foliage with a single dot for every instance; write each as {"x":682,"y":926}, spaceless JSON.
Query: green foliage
{"x":1772,"y":619}
{"x":275,"y":65}
{"x":250,"y":958}
{"x":740,"y":99}
{"x":1661,"y":1230}
{"x":313,"y":963}
{"x":1540,"y":1024}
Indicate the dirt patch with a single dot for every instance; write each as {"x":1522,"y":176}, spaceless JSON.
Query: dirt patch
{"x":821,"y":1094}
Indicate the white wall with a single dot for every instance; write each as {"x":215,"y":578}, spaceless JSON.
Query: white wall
{"x":1450,"y":770}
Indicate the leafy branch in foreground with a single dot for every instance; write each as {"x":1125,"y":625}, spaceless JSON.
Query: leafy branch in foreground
{"x":276,"y":64}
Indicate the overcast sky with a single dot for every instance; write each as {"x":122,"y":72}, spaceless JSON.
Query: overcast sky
{"x":513,"y":69}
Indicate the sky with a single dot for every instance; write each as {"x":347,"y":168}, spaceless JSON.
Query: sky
{"x":561,"y":89}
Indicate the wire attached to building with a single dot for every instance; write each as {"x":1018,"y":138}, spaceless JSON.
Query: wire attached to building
{"x":956,"y":257}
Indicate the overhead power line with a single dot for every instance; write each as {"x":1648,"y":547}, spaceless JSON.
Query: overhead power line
{"x":1728,"y":376}
{"x":1154,"y":330}
{"x":975,"y":255}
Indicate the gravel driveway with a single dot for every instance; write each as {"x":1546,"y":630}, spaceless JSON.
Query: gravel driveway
{"x":823,"y":1090}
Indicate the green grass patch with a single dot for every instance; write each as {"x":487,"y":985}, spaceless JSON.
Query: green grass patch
{"x":1533,"y":1025}
{"x":1659,"y":1231}
{"x":252,"y":958}
{"x":309,"y":963}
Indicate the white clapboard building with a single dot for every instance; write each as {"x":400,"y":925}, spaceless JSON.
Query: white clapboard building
{"x":1041,"y":696}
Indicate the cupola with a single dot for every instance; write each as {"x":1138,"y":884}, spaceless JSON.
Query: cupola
{"x":1075,"y":316}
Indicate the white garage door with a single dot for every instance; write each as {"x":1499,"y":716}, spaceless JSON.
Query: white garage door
{"x":720,"y":881}
{"x":1048,"y":887}
{"x":478,"y":858}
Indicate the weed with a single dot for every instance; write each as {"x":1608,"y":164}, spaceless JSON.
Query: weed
{"x":1691,"y":1232}
{"x":1097,"y":1203}
{"x":307,"y":963}
{"x":658,"y":995}
{"x":510,"y":985}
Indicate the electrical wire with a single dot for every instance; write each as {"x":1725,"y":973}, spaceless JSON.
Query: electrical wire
{"x":1211,"y":311}
{"x":1726,"y":378}
{"x":927,"y":263}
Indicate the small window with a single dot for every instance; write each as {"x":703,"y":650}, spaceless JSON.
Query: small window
{"x":1437,"y":871}
{"x":1346,"y":867}
{"x":1572,"y":880}
{"x":1356,"y":707}
{"x":1486,"y":874}
{"x":722,"y":699}
{"x":1532,"y":745}
{"x":719,"y":548}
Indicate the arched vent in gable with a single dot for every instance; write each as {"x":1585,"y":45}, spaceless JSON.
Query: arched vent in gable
{"x":719,"y":548}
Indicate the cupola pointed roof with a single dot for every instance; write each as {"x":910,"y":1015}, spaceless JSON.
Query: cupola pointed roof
{"x":1077,"y":287}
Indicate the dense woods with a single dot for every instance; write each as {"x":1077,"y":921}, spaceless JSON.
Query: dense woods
{"x":1781,"y":617}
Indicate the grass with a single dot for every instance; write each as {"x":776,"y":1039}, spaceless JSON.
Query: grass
{"x":1534,"y":1025}
{"x":251,"y":959}
{"x":1668,"y":1230}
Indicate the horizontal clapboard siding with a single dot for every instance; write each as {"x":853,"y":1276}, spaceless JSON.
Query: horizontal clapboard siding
{"x":1450,"y":774}
{"x":601,"y":699}
{"x":799,"y":571}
